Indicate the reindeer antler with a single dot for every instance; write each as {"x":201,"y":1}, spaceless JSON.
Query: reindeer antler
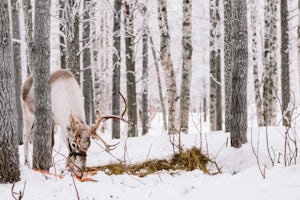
{"x":105,"y":117}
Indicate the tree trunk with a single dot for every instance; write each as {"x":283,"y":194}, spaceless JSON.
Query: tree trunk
{"x":204,"y":109}
{"x":62,"y":35}
{"x":186,"y":65}
{"x":285,"y":72}
{"x":238,"y":123}
{"x":161,"y":99}
{"x":165,"y":57}
{"x":213,"y":98}
{"x":101,"y":85}
{"x":17,"y":66}
{"x":116,"y":68}
{"x":270,"y":64}
{"x":95,"y":64}
{"x":27,"y":10}
{"x":227,"y":61}
{"x":219,"y":85}
{"x":130,"y":71}
{"x":257,"y":82}
{"x":298,"y":33}
{"x":9,"y":154}
{"x":42,"y":128}
{"x":102,"y":93}
{"x":215,"y":68}
{"x":87,"y":69}
{"x":145,"y":78}
{"x":72,"y":37}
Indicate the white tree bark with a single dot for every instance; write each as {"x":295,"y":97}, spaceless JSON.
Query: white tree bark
{"x":186,"y":65}
{"x":167,"y":65}
{"x":101,"y":34}
{"x":160,"y":92}
{"x":270,"y":82}
{"x":257,"y":82}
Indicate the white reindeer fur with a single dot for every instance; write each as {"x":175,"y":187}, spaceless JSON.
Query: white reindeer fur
{"x":66,"y":99}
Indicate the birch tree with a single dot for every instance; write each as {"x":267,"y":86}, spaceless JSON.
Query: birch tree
{"x":166,"y":62}
{"x":17,"y":64}
{"x":186,"y":65}
{"x":285,"y":68}
{"x":160,"y":92}
{"x":9,"y":154}
{"x":238,"y":123}
{"x":227,"y":60}
{"x":130,"y":70}
{"x":215,"y":67}
{"x":94,"y":60}
{"x":148,"y":42}
{"x":116,"y":67}
{"x":102,"y":85}
{"x":42,"y":129}
{"x":257,"y":82}
{"x":270,"y":81}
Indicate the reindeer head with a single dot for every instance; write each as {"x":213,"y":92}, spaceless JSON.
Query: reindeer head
{"x":78,"y":144}
{"x":79,"y":135}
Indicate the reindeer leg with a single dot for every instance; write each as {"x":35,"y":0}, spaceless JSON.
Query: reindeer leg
{"x":25,"y":142}
{"x":27,"y":137}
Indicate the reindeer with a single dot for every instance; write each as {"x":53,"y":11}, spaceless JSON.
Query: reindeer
{"x":67,"y":107}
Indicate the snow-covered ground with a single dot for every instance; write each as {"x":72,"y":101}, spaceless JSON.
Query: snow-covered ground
{"x":241,"y":178}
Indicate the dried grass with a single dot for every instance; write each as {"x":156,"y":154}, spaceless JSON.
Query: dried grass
{"x":187,"y":160}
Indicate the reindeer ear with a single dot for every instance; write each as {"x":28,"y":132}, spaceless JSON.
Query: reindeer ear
{"x":73,"y":123}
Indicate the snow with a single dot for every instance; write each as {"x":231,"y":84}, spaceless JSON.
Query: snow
{"x":241,"y":178}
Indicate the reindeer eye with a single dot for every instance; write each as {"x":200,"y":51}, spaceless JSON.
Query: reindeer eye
{"x":74,"y":145}
{"x":68,"y":128}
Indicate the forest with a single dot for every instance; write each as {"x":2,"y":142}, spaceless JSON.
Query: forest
{"x":149,"y":99}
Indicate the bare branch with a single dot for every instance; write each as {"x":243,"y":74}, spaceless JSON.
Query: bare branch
{"x":20,"y":195}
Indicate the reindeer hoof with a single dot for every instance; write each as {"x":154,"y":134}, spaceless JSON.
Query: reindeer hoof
{"x":26,"y":163}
